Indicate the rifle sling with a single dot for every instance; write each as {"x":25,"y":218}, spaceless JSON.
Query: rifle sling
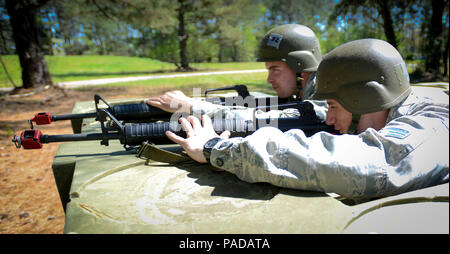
{"x":150,"y":151}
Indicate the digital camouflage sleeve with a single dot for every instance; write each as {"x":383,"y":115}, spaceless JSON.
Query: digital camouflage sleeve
{"x":409,"y":153}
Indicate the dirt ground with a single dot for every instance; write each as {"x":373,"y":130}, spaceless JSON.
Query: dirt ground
{"x":29,"y":199}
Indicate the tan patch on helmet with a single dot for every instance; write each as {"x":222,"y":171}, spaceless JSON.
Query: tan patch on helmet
{"x":401,"y":73}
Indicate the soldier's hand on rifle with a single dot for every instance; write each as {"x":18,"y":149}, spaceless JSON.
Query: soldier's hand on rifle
{"x":171,"y":101}
{"x":197,"y":135}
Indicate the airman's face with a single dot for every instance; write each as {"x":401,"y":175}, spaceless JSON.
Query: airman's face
{"x":282,"y":78}
{"x":338,"y":116}
{"x":342,"y":119}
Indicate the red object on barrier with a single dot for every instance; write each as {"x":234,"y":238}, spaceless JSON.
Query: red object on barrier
{"x":42,"y":118}
{"x":31,"y":139}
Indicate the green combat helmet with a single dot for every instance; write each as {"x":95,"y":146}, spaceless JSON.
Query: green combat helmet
{"x":364,"y":76}
{"x":297,"y":45}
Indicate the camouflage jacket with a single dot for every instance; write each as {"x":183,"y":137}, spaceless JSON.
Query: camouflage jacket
{"x":409,"y":153}
{"x":227,"y":112}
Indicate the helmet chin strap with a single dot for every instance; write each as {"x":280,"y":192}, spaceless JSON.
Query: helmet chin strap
{"x":299,"y":87}
{"x":353,"y":129}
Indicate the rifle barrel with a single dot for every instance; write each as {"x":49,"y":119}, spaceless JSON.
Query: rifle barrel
{"x":73,"y":116}
{"x":79,"y":137}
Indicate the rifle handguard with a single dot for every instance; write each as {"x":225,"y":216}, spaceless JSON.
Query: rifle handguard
{"x":137,"y":111}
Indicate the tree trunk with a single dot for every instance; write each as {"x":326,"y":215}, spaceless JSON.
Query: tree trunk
{"x":220,"y":56}
{"x":445,"y":59}
{"x":25,"y":33}
{"x":182,"y":37}
{"x":234,"y":53}
{"x":435,"y":38}
{"x":385,"y":10}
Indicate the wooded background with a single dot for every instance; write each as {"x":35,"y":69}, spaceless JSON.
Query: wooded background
{"x":186,"y":31}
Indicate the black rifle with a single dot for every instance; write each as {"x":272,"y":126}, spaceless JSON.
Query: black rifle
{"x":133,"y":111}
{"x":133,"y":134}
{"x":145,"y":112}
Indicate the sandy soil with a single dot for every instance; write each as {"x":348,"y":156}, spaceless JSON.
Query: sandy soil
{"x":29,"y":199}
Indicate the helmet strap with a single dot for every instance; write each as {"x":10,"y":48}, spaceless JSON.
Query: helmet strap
{"x":354,"y":124}
{"x":299,"y":86}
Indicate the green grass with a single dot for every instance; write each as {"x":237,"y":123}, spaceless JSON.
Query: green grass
{"x":13,"y":67}
{"x":229,"y":66}
{"x":254,"y":81}
{"x":72,"y":68}
{"x":69,"y":68}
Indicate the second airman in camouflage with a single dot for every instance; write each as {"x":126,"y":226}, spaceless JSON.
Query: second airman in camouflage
{"x":402,"y":142}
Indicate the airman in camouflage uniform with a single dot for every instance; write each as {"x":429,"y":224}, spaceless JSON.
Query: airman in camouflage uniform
{"x":402,"y":145}
{"x":291,"y":53}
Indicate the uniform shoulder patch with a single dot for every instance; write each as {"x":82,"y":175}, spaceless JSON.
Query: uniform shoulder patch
{"x":394,"y":132}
